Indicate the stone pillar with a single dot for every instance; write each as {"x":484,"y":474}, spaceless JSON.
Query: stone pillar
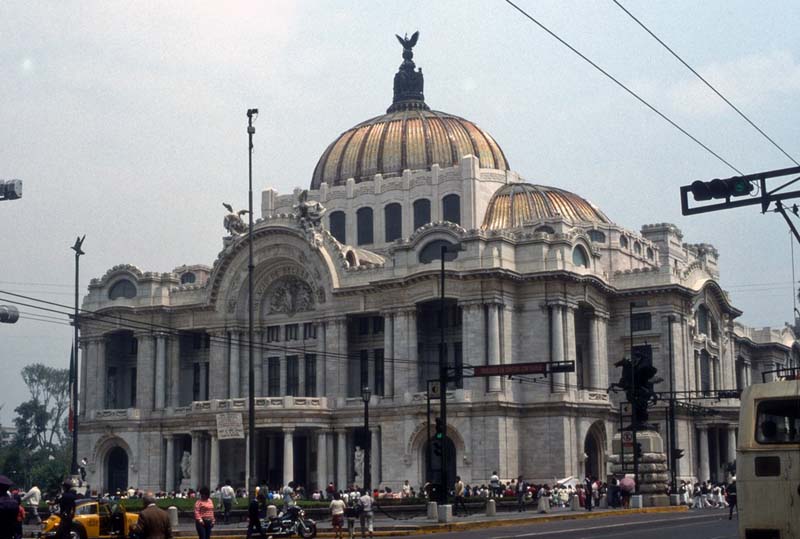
{"x":473,"y":333}
{"x":91,"y":387}
{"x":301,"y":374}
{"x":258,"y":377}
{"x":321,"y":360}
{"x":145,"y":377}
{"x":412,"y":352}
{"x":335,"y":372}
{"x":213,"y":464}
{"x":375,"y":456}
{"x":731,"y":439}
{"x":493,"y":338}
{"x":83,"y":370}
{"x":322,"y":460}
{"x":557,"y":345}
{"x":712,"y":371}
{"x":174,"y":367}
{"x":161,"y":372}
{"x":595,"y":367}
{"x":233,"y":365}
{"x":748,"y":370}
{"x":169,"y":480}
{"x":697,"y":377}
{"x":341,"y":459}
{"x":704,"y":471}
{"x":197,"y":459}
{"x":388,"y":354}
{"x":202,"y":393}
{"x":288,"y":455}
{"x":102,"y":375}
{"x":218,"y":367}
{"x":570,"y":353}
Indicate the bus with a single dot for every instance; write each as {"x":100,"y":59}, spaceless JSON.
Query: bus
{"x":768,"y":458}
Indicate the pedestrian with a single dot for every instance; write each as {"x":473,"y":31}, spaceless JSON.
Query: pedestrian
{"x":521,"y":490}
{"x":288,"y":495}
{"x":365,"y":514}
{"x":494,"y":485}
{"x":406,"y":489}
{"x":587,"y":483}
{"x":153,"y":521}
{"x":337,"y":507}
{"x":66,"y":510}
{"x":204,"y":514}
{"x":351,"y":511}
{"x":254,"y":516}
{"x":228,"y":496}
{"x":82,"y":468}
{"x":33,"y":497}
{"x":459,"y":492}
{"x":9,"y":510}
{"x":732,"y":499}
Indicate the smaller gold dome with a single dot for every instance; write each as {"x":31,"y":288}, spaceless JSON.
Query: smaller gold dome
{"x":516,"y":204}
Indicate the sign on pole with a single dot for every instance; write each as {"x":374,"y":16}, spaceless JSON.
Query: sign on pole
{"x":510,"y":369}
{"x":627,"y":438}
{"x":229,"y":426}
{"x":434,"y":390}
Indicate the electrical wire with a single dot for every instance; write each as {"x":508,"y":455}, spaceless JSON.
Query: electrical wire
{"x":719,"y":94}
{"x":623,"y":86}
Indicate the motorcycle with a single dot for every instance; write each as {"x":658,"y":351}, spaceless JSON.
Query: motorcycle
{"x":292,"y":522}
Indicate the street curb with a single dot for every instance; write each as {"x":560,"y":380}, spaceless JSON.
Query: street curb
{"x":429,"y":529}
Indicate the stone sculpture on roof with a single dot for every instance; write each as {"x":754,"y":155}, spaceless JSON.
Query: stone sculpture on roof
{"x":233,"y":222}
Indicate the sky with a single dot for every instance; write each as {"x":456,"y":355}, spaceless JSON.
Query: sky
{"x":126,"y":122}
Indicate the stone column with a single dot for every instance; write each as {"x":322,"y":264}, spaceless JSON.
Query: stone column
{"x":161,"y":372}
{"x":375,"y":457}
{"x":748,"y":371}
{"x":90,"y":387}
{"x":174,"y":367}
{"x":712,"y":371}
{"x":704,"y":470}
{"x":202,"y":393}
{"x":557,"y":345}
{"x":698,"y":384}
{"x":731,"y":439}
{"x":102,"y":375}
{"x":197,"y":459}
{"x":412,"y":352}
{"x":218,"y":366}
{"x":601,"y":323}
{"x":341,"y":459}
{"x":288,"y":455}
{"x":570,"y":354}
{"x":169,"y":480}
{"x":473,"y":334}
{"x":322,"y":459}
{"x":258,"y":377}
{"x":213,"y":465}
{"x":301,"y":374}
{"x":82,"y":371}
{"x":493,"y":337}
{"x":321,"y":360}
{"x":595,"y":368}
{"x":388,"y":354}
{"x":145,"y":377}
{"x":233,"y":365}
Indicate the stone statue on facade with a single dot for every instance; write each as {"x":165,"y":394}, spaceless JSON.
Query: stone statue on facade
{"x":233,"y":222}
{"x":408,"y":81}
{"x":358,"y":466}
{"x":186,"y":465}
{"x":309,"y":212}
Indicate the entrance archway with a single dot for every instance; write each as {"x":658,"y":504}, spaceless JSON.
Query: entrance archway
{"x":116,"y":470}
{"x":594,"y":450}
{"x":433,"y":464}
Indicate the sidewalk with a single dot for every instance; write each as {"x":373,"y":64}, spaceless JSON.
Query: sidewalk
{"x":388,"y":527}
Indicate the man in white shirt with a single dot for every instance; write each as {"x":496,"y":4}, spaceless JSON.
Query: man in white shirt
{"x":365,"y":504}
{"x":33,"y":497}
{"x":228,"y":496}
{"x":406,"y":490}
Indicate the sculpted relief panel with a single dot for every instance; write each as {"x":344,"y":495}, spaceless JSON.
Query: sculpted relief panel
{"x":290,"y":295}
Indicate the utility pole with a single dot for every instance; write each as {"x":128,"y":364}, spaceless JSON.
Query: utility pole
{"x":443,"y":381}
{"x":251,"y":390}
{"x":634,"y":420}
{"x":76,"y":348}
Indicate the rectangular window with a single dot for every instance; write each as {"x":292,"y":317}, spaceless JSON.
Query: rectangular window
{"x":309,"y":330}
{"x":291,"y":332}
{"x":132,"y":403}
{"x":641,"y":322}
{"x":379,"y":373}
{"x":377,"y":324}
{"x":274,"y":377}
{"x":338,"y":226}
{"x":364,"y":366}
{"x":778,"y":421}
{"x":273,"y":333}
{"x":363,"y":325}
{"x":197,"y":341}
{"x":311,"y":375}
{"x":195,"y":381}
{"x":292,"y":376}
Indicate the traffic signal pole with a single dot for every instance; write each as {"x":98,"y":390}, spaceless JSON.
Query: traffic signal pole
{"x":634,"y":424}
{"x":443,"y":382}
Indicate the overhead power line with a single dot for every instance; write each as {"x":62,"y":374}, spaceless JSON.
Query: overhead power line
{"x":690,"y":68}
{"x":623,"y":86}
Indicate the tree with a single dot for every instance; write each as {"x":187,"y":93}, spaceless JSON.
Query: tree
{"x":41,"y":421}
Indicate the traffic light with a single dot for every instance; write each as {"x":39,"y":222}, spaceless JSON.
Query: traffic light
{"x":8,"y":314}
{"x":677,"y":453}
{"x":637,"y":450}
{"x":10,"y":190}
{"x":437,"y":448}
{"x":716,"y":188}
{"x":439,"y":435}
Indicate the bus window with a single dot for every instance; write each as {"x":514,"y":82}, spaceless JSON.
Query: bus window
{"x":778,"y":421}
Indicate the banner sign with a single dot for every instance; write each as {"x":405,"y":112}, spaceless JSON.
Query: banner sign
{"x":229,"y":426}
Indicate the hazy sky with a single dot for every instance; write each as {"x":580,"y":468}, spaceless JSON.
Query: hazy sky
{"x":127,"y":123}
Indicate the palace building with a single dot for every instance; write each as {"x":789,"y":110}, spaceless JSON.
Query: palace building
{"x":346,"y":293}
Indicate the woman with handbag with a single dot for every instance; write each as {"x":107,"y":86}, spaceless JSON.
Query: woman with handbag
{"x":204,"y":514}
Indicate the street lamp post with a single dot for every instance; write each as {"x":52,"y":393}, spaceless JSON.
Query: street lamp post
{"x":73,"y":468}
{"x":251,"y":391}
{"x":365,"y":396}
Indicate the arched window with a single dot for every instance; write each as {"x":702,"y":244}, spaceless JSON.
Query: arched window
{"x":650,"y":253}
{"x":337,"y":226}
{"x":702,"y":320}
{"x":393,"y":221}
{"x":451,"y":209}
{"x":597,"y":236}
{"x":623,"y":242}
{"x":637,"y":248}
{"x":422,"y":212}
{"x":545,"y":229}
{"x":433,"y":251}
{"x":122,"y":289}
{"x":188,"y":278}
{"x":579,"y":257}
{"x":364,"y":224}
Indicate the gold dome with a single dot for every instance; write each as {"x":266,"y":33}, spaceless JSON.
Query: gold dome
{"x":412,"y":139}
{"x":515,"y":204}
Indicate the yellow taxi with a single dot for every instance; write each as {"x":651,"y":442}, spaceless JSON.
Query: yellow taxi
{"x":94,"y":519}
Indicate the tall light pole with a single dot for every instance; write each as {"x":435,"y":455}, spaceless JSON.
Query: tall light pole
{"x":73,"y":468}
{"x":365,"y":396}
{"x":251,"y":391}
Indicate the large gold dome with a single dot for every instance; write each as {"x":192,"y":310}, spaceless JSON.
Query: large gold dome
{"x":405,"y":139}
{"x":515,"y":204}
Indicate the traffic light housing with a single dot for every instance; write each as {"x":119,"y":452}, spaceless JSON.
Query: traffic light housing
{"x":716,"y":188}
{"x":10,"y":189}
{"x":8,"y":314}
{"x":637,"y":450}
{"x":439,"y":435}
{"x":677,"y":453}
